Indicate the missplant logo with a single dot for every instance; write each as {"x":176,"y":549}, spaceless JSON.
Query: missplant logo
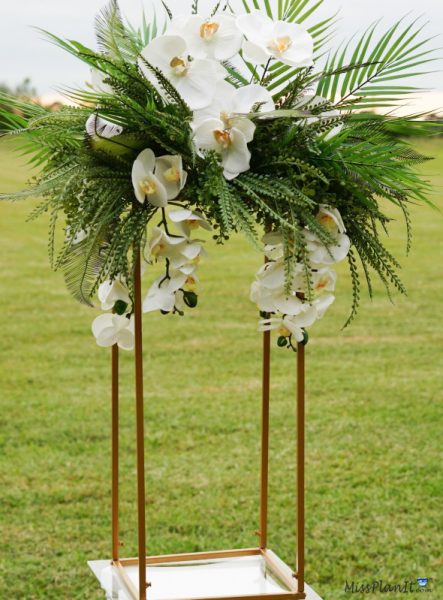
{"x":416,"y":586}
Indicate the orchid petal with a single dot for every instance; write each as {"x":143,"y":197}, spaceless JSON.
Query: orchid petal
{"x":204,"y":134}
{"x":160,"y":52}
{"x":238,"y":158}
{"x":168,"y":163}
{"x":289,"y":305}
{"x":254,"y":53}
{"x":249,"y":95}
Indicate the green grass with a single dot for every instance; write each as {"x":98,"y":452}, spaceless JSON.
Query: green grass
{"x":374,"y":481}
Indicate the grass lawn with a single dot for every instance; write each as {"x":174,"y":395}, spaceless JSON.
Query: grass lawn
{"x":374,"y":480}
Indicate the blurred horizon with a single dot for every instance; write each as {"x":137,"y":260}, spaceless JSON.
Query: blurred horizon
{"x":49,"y":69}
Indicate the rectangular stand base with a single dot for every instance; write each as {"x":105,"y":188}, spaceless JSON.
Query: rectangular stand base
{"x":250,"y":574}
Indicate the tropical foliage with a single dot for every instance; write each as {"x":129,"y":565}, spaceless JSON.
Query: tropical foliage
{"x":227,"y":121}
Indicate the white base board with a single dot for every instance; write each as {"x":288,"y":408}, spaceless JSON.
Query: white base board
{"x":216,"y":578}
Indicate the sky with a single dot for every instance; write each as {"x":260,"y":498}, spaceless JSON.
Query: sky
{"x":23,"y":52}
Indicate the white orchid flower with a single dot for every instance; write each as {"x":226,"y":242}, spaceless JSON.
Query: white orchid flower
{"x":114,"y":329}
{"x":188,"y":221}
{"x":157,"y":180}
{"x":187,"y":257}
{"x":294,"y":325}
{"x":111,"y":292}
{"x":169,"y":170}
{"x":269,"y":290}
{"x":287,"y":42}
{"x":195,"y":80}
{"x":310,"y":102}
{"x":162,"y":294}
{"x":269,"y":293}
{"x":231,"y":144}
{"x":263,"y":297}
{"x":324,"y":280}
{"x":98,"y":127}
{"x":224,"y":127}
{"x":322,"y":304}
{"x":332,"y":221}
{"x":146,"y":184}
{"x":291,"y":325}
{"x":319,"y":254}
{"x":289,"y":304}
{"x":232,"y":104}
{"x":284,"y":326}
{"x":182,"y":254}
{"x":163,"y":245}
{"x":272,"y":275}
{"x":217,"y":37}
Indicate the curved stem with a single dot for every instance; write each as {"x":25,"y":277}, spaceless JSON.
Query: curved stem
{"x":265,"y":71}
{"x":164,"y":221}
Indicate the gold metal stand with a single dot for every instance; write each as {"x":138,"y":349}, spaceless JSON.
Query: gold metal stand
{"x":141,"y":494}
{"x":266,"y":388}
{"x":293,"y":582}
{"x":300,"y":574}
{"x":115,"y":456}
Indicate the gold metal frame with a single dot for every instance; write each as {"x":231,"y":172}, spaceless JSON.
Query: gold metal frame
{"x":296,"y":583}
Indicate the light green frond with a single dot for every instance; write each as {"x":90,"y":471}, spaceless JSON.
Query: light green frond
{"x":375,"y":66}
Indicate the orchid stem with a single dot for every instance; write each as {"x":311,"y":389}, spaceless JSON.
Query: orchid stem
{"x":164,"y":222}
{"x":265,"y":72}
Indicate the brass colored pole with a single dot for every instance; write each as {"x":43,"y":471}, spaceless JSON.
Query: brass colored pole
{"x":301,"y":467}
{"x":115,"y":455}
{"x":265,"y":440}
{"x":141,"y":494}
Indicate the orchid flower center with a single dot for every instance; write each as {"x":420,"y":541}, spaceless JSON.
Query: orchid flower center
{"x":223,"y":138}
{"x":328,"y":223}
{"x":208,"y":31}
{"x":148,"y":186}
{"x":283,"y":331}
{"x":191,"y":282}
{"x":172,"y":175}
{"x":179,"y":66}
{"x":321,"y":284}
{"x":158,"y":248}
{"x":193,"y":223}
{"x":280,"y":45}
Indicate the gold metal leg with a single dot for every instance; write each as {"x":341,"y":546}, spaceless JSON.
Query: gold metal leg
{"x":115,"y":454}
{"x":141,"y":494}
{"x":265,"y":441}
{"x":301,"y":467}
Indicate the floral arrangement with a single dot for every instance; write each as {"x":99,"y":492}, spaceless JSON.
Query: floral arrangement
{"x":227,"y":121}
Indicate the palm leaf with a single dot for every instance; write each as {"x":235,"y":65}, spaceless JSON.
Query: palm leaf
{"x":109,"y":30}
{"x":376,"y":66}
{"x":121,"y":40}
{"x":18,"y":110}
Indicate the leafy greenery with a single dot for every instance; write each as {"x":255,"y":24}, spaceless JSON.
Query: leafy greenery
{"x":396,"y":55}
{"x":296,"y":164}
{"x":23,"y":90}
{"x":375,"y":403}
